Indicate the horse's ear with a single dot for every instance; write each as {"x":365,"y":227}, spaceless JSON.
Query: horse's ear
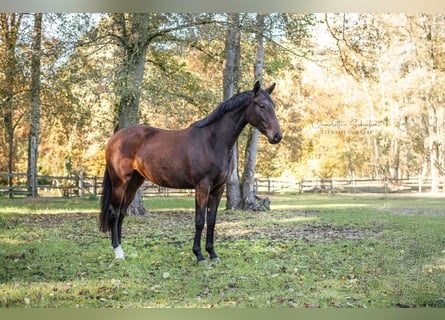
{"x":270,"y":89}
{"x":256,"y":88}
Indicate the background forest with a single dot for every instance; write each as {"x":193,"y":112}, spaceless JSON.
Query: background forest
{"x":358,"y":95}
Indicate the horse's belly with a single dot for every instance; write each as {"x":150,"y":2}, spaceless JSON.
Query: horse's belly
{"x":169,"y":178}
{"x":173,"y":184}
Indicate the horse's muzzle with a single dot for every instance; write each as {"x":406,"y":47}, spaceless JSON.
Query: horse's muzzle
{"x":276,"y":138}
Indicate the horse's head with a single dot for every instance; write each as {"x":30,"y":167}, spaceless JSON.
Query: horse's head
{"x":261,"y":113}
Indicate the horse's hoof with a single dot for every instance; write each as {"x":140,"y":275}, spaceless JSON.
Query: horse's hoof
{"x":216,"y":260}
{"x":119,"y":253}
{"x":202,"y":262}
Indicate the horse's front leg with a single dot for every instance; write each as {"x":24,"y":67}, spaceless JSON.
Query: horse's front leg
{"x":201,"y":198}
{"x":213,"y":203}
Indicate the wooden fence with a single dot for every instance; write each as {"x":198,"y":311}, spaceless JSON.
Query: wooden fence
{"x":78,"y":186}
{"x":81,"y":186}
{"x":341,"y":185}
{"x":50,"y":185}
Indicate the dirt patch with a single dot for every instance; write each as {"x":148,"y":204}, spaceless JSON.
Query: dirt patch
{"x":304,"y":232}
{"x":291,"y":226}
{"x":276,"y":226}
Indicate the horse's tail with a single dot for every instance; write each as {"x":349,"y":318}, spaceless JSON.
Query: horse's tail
{"x":104,"y":221}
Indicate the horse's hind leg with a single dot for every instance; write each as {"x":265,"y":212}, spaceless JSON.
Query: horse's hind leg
{"x":127,"y":197}
{"x":115,"y":240}
{"x":116,"y":220}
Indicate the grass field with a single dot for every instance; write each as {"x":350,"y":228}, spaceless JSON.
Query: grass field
{"x":347,"y":251}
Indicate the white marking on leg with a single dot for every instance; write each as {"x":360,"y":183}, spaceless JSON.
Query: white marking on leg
{"x":119,"y":253}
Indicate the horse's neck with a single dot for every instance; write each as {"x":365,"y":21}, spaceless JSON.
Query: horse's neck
{"x":229,"y":127}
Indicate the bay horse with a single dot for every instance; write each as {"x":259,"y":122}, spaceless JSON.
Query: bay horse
{"x":198,"y":157}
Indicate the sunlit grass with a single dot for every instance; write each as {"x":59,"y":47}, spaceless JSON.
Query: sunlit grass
{"x":319,"y":206}
{"x":49,"y":205}
{"x":326,"y":201}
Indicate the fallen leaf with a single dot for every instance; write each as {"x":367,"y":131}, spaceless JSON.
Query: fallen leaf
{"x":275,"y":275}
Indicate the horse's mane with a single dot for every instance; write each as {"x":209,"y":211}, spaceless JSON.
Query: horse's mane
{"x":230,"y":104}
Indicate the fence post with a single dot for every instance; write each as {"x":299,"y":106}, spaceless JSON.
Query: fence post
{"x":95,"y":186}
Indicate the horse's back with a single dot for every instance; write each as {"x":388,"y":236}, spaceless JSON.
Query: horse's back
{"x":129,"y":140}
{"x":159,"y":155}
{"x":135,"y":131}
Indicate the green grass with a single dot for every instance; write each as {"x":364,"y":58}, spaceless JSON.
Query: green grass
{"x":308,"y":251}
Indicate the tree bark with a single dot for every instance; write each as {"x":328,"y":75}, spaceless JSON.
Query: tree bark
{"x":249,"y":199}
{"x":230,"y":86}
{"x":130,"y":71}
{"x":34,"y":132}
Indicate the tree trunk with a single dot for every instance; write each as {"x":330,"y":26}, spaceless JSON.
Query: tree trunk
{"x":395,"y":155}
{"x":435,"y":171}
{"x":434,"y":145}
{"x":9,"y":28}
{"x":249,"y":199}
{"x":35,"y":107}
{"x":8,"y":111}
{"x":130,"y":74}
{"x":230,"y":86}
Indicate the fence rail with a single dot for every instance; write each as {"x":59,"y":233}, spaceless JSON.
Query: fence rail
{"x":341,"y":185}
{"x":63,"y":186}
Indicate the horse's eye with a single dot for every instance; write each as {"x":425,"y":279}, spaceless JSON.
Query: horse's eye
{"x":262,"y":105}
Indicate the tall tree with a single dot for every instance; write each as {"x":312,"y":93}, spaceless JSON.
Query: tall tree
{"x":231,"y":86}
{"x":427,"y":66}
{"x":249,"y":199}
{"x":360,"y":43}
{"x":9,"y":32}
{"x":34,"y":131}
